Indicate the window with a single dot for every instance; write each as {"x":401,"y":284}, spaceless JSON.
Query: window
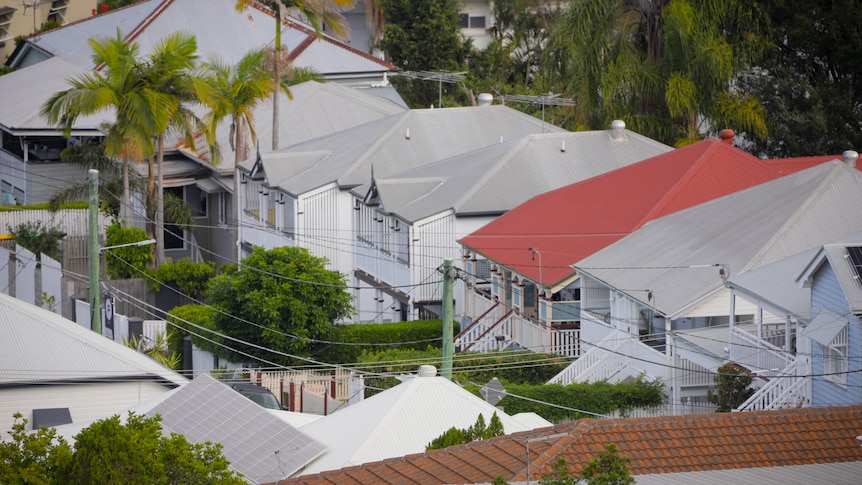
{"x":835,"y":357}
{"x":174,"y":235}
{"x":222,"y":208}
{"x":5,"y":22}
{"x":477,"y":22}
{"x":464,"y":20}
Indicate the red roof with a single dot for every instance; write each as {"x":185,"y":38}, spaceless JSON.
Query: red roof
{"x":573,"y":222}
{"x":691,"y":443}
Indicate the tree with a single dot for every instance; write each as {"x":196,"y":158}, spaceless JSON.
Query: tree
{"x":666,"y":67}
{"x":733,"y":384}
{"x":109,"y":451}
{"x":282,"y":299}
{"x":318,"y":13}
{"x":422,"y":35}
{"x":811,"y":83}
{"x":120,"y":87}
{"x":477,"y":431}
{"x":31,"y":457}
{"x":91,"y":154}
{"x":129,"y":261}
{"x":608,"y":468}
{"x":38,"y":238}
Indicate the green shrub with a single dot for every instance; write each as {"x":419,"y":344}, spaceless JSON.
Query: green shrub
{"x":187,"y":276}
{"x":38,"y":238}
{"x":415,"y":335}
{"x":202,"y":315}
{"x":129,"y":261}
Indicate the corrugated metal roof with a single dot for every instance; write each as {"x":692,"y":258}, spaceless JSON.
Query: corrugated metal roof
{"x":25,"y":90}
{"x":495,"y":179}
{"x":399,"y":421}
{"x":608,"y":207}
{"x":39,"y":346}
{"x":673,"y":256}
{"x":406,"y":140}
{"x":847,"y":472}
{"x":846,"y":274}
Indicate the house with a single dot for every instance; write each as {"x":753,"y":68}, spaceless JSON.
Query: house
{"x":300,"y":195}
{"x":669,"y":278}
{"x":400,"y":421}
{"x":820,"y":443}
{"x":821,"y":288}
{"x":409,"y":221}
{"x":19,"y":18}
{"x":55,"y":371}
{"x":522,"y":289}
{"x":29,"y":162}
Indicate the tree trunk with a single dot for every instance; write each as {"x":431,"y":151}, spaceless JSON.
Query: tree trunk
{"x":125,"y":208}
{"x":160,"y":206}
{"x":277,"y":74}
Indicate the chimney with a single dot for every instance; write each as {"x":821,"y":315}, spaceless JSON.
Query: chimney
{"x":850,"y":158}
{"x":726,"y":136}
{"x":485,"y":99}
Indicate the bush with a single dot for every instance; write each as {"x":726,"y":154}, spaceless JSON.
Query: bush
{"x":416,"y":335}
{"x":38,"y":238}
{"x":189,"y":277}
{"x":201,"y":315}
{"x":130,"y":261}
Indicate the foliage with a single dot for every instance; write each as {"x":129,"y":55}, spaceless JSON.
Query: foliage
{"x":423,"y":35}
{"x":608,"y":468}
{"x":44,"y":206}
{"x":157,"y":350}
{"x":811,"y":83}
{"x":667,"y":68}
{"x":559,"y":474}
{"x":597,"y":397}
{"x":31,"y":457}
{"x":129,"y":261}
{"x":733,"y":384}
{"x":186,"y":319}
{"x":478,"y":431}
{"x":289,"y":294}
{"x":109,"y":451}
{"x":38,"y":238}
{"x":189,"y":277}
{"x":417,"y":335}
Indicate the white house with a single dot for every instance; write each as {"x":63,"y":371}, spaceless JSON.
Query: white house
{"x":301,"y":195}
{"x":409,"y":222}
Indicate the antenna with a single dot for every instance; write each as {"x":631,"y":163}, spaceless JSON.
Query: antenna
{"x":439,"y":76}
{"x":549,"y":99}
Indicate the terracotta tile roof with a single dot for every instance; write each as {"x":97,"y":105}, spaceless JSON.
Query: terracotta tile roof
{"x":655,"y":445}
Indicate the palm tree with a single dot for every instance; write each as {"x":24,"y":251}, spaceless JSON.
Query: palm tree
{"x":318,"y":13}
{"x":115,"y":85}
{"x":666,"y":67}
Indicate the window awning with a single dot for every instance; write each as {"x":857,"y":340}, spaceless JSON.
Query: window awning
{"x":825,"y":327}
{"x":210,"y":186}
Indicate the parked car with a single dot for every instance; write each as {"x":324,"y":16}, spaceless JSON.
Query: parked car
{"x":258,"y":394}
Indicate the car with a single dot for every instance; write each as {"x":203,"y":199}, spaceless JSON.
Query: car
{"x":259,"y":394}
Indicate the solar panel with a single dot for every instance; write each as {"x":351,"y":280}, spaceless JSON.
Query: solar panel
{"x":855,"y":253}
{"x":256,"y":443}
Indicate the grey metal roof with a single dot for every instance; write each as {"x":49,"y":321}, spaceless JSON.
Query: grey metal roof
{"x":25,"y":90}
{"x":843,"y":472}
{"x":405,"y":140}
{"x":258,"y":444}
{"x":39,"y":346}
{"x":674,"y":256}
{"x":846,"y":275}
{"x":218,"y":28}
{"x":497,"y":178}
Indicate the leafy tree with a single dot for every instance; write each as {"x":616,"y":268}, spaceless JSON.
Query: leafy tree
{"x":31,"y":457}
{"x":38,"y":238}
{"x":811,"y":83}
{"x":129,"y":261}
{"x":288,"y":294}
{"x":186,"y":319}
{"x":666,"y":67}
{"x":733,"y":384}
{"x":608,"y":468}
{"x":190,"y":278}
{"x":559,"y":474}
{"x":109,"y":451}
{"x":318,"y":13}
{"x":422,"y":35}
{"x":477,"y":431}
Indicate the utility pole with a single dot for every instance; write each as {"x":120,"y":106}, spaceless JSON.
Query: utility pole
{"x":448,"y":338}
{"x":95,"y":297}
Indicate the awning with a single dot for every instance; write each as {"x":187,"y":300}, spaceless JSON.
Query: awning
{"x":177,"y":182}
{"x":825,"y":327}
{"x":209,"y":185}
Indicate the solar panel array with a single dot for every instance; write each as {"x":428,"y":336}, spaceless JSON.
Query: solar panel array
{"x":855,"y":253}
{"x":256,"y":443}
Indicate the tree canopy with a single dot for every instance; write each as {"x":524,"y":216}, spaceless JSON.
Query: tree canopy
{"x":280,"y":299}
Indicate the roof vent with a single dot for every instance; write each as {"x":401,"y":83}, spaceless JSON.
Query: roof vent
{"x":727,"y":135}
{"x":618,"y":128}
{"x":407,"y":134}
{"x":850,"y":158}
{"x":485,"y":99}
{"x":427,"y":371}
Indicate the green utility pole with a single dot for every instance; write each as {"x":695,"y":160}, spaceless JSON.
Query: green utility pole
{"x":448,"y":338}
{"x":95,"y":297}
